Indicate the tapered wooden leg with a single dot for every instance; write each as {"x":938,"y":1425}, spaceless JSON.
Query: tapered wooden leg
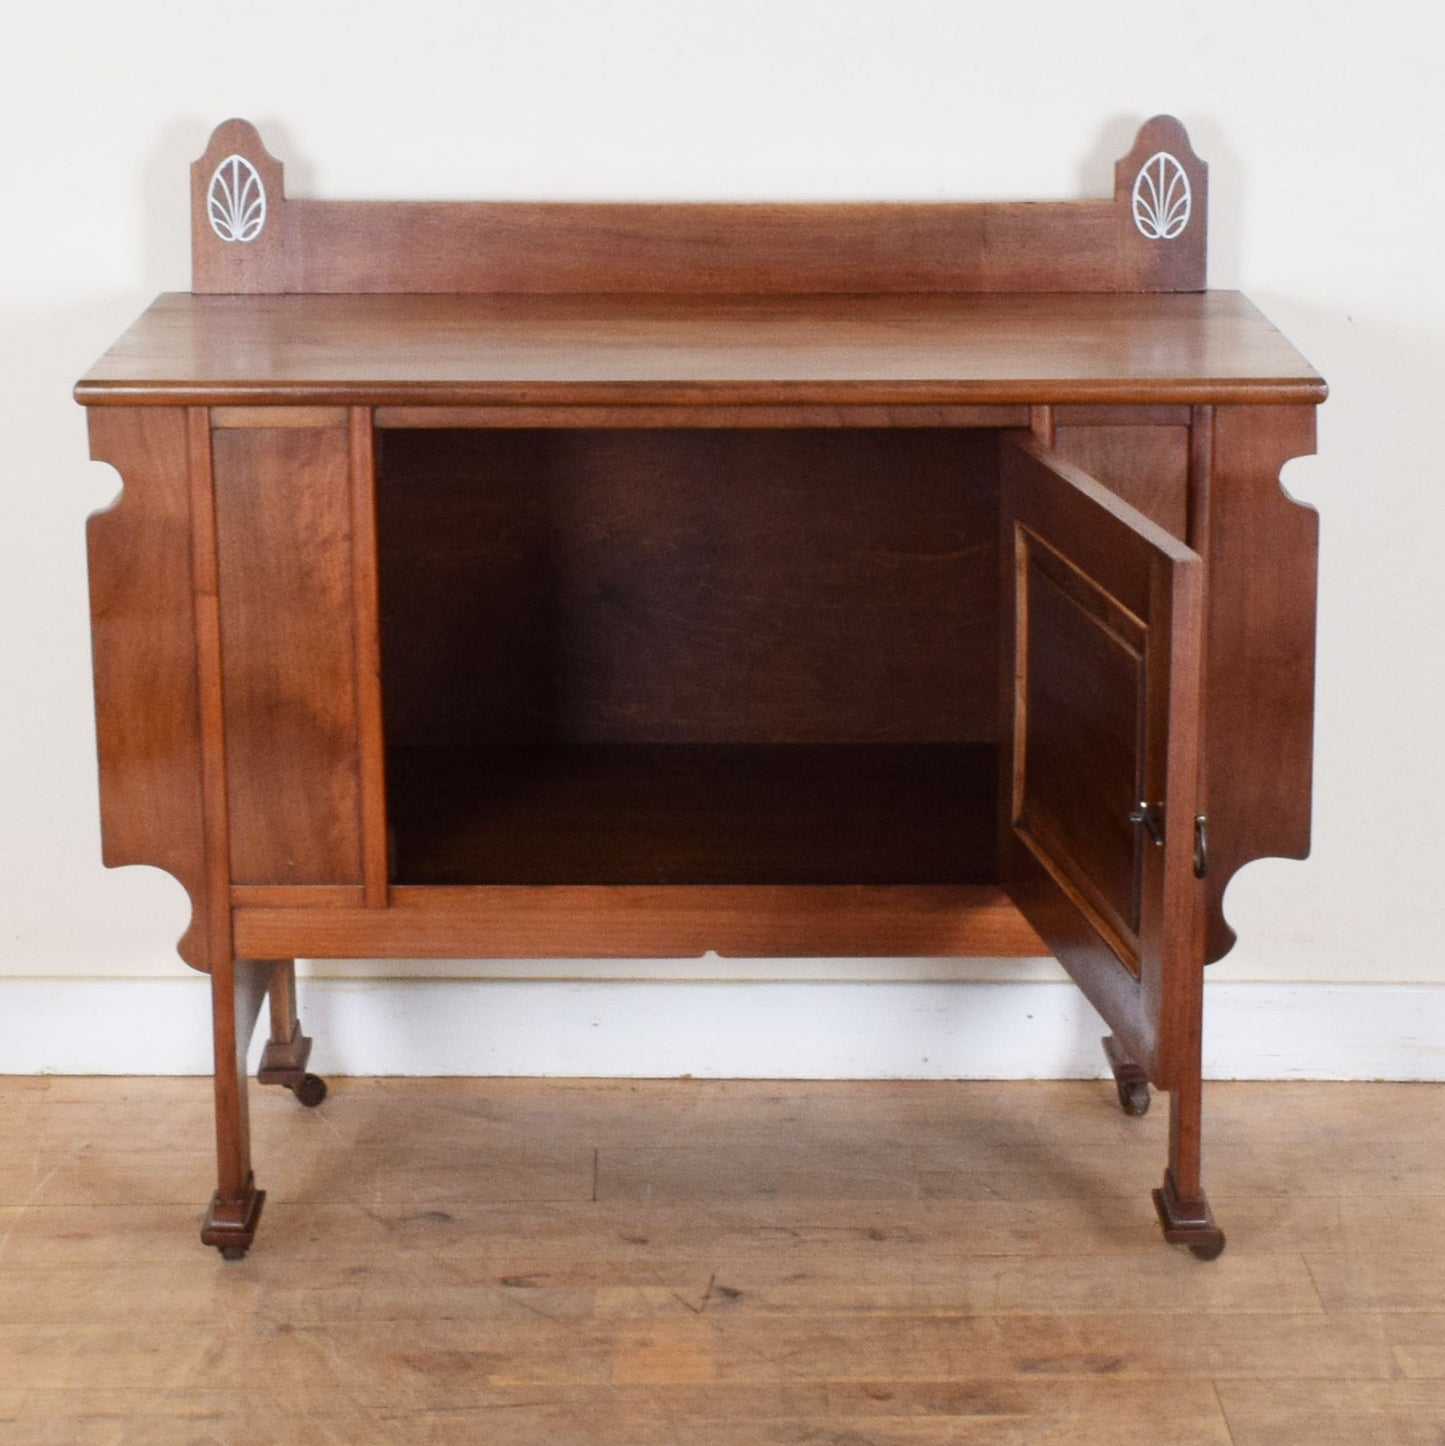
{"x":1183,"y":1210}
{"x":237,"y":988}
{"x":287,"y":1051}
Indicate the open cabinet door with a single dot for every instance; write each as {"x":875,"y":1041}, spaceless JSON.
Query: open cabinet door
{"x":1102,"y":647}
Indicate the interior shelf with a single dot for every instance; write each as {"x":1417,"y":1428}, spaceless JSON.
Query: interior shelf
{"x":694,"y":814}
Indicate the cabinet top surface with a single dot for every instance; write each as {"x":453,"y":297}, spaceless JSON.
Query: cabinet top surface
{"x":928,"y":349}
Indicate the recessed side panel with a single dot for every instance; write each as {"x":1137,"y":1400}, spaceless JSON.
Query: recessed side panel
{"x":283,"y":525}
{"x":1079,"y":740}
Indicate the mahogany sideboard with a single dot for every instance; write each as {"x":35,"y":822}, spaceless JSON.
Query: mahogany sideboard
{"x":564,"y":580}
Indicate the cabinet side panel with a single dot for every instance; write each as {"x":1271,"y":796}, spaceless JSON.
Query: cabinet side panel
{"x":287,"y":654}
{"x":1259,"y":704}
{"x":144,"y":641}
{"x":1148,"y":466}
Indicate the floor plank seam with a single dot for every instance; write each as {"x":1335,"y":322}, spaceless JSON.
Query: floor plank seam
{"x":1223,"y":1413}
{"x":1315,"y":1284}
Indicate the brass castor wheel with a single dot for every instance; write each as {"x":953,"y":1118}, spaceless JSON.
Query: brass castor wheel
{"x":1134,"y":1097}
{"x":233,"y":1252}
{"x":310,"y":1089}
{"x":1209,"y":1249}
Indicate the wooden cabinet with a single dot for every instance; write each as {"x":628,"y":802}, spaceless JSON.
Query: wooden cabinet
{"x":549,"y":580}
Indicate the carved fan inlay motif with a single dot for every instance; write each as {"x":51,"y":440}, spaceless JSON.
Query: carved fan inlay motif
{"x":236,"y":200}
{"x":1162,"y":198}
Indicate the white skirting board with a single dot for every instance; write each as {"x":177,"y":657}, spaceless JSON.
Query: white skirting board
{"x":647,"y":1029}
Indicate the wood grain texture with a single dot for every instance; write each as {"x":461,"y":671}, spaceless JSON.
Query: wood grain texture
{"x":1138,"y":580}
{"x":1081,"y":739}
{"x":1083,"y":415}
{"x":315,"y":896}
{"x":310,"y":418}
{"x":929,"y":350}
{"x":1334,"y":1413}
{"x":257,"y":264}
{"x":143,"y":638}
{"x":458,"y":247}
{"x":646,"y":526}
{"x":1183,"y":253}
{"x":205,"y":576}
{"x":688,"y":587}
{"x":667,"y":921}
{"x":1147,"y":464}
{"x":1263,"y":550}
{"x":366,"y":639}
{"x":238,"y":989}
{"x":717,"y":247}
{"x":647,"y":1263}
{"x":692,"y":418}
{"x":283,"y":509}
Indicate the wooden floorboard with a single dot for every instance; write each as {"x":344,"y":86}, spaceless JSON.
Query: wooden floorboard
{"x":680,"y":1262}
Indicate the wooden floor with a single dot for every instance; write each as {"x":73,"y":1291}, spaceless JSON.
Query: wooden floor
{"x":661,"y":1264}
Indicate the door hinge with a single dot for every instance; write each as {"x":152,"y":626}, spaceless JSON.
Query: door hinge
{"x":1201,"y":845}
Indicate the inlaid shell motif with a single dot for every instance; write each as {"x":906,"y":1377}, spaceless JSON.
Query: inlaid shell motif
{"x":1162,"y":198}
{"x":236,"y":200}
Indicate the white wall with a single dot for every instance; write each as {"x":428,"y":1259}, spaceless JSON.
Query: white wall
{"x":1323,"y":127}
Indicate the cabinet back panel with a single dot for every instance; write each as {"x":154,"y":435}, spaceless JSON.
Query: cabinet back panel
{"x":732,"y":586}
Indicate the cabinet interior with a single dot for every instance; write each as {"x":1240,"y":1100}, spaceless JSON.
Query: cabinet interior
{"x":690,"y":656}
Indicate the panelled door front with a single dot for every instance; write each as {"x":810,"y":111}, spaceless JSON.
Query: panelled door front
{"x":1101,"y":819}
